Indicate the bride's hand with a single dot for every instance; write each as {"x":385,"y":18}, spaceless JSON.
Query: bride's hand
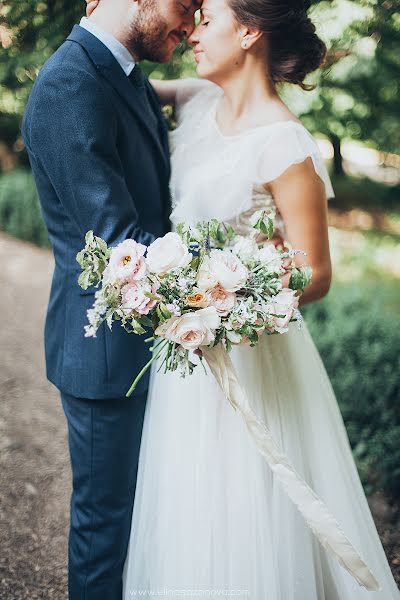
{"x":279,"y":244}
{"x":91,"y":6}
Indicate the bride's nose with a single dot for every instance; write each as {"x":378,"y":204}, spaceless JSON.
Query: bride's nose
{"x":193,"y":39}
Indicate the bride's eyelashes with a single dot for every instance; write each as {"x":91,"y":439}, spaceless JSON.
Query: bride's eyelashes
{"x":204,"y":21}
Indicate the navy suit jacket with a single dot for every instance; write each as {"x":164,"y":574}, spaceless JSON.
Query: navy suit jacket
{"x":100,"y":162}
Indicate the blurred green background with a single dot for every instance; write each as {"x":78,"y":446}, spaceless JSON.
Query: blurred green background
{"x":354,"y":112}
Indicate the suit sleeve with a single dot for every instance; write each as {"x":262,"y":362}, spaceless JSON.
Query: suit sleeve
{"x":72,"y":133}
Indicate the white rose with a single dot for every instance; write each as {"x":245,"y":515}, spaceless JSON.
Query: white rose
{"x":205,"y":279}
{"x":284,"y":305}
{"x":167,"y":253}
{"x":245,"y":247}
{"x":228,"y":270}
{"x":270,"y":256}
{"x":191,"y":330}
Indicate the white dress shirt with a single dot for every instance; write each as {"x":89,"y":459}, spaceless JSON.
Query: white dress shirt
{"x":120,"y":53}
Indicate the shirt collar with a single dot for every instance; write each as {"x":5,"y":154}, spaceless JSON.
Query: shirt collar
{"x":120,"y":53}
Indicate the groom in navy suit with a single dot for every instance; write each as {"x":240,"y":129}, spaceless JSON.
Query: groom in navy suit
{"x":98,"y":147}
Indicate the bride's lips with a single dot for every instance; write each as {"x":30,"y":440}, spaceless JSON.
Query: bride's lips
{"x":197,"y":53}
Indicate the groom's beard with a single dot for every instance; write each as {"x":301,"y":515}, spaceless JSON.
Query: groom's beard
{"x":147,"y":37}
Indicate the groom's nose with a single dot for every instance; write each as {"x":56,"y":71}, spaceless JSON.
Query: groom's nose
{"x":188,"y":27}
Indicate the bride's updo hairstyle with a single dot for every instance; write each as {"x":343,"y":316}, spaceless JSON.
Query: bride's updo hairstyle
{"x":294,"y":48}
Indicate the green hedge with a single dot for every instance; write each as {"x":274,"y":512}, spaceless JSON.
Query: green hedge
{"x":20,"y":213}
{"x":356,"y":330}
{"x":366,"y":194}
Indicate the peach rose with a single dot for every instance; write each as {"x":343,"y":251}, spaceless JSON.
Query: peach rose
{"x":191,"y":330}
{"x":197,"y":299}
{"x":222,"y":300}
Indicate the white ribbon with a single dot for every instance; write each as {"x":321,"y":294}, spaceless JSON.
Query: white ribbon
{"x":316,"y":514}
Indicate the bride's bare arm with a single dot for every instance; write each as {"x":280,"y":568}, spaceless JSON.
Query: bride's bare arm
{"x":300,"y":196}
{"x":165,"y":89}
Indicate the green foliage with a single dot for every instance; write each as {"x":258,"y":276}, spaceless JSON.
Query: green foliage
{"x":92,"y":260}
{"x":360,"y":192}
{"x":265,"y":222}
{"x":20,"y":213}
{"x":31,"y":31}
{"x":356,"y":332}
{"x":300,"y":278}
{"x":357,"y":93}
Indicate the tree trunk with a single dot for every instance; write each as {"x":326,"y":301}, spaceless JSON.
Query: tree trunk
{"x":337,"y":155}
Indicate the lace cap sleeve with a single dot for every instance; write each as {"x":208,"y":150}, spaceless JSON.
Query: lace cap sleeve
{"x":187,"y":90}
{"x":287,"y":144}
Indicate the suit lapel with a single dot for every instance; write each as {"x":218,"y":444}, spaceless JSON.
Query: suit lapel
{"x":162,"y":125}
{"x":109,"y":67}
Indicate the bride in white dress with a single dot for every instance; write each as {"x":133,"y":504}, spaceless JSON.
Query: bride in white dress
{"x":209,"y":518}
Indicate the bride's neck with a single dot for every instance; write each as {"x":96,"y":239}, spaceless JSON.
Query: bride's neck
{"x":247,"y":89}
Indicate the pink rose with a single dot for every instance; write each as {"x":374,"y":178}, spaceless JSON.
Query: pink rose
{"x":222,"y":300}
{"x":134,"y":298}
{"x":127,"y":262}
{"x":283,"y":304}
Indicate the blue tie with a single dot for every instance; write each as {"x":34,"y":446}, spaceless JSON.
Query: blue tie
{"x":136,"y":76}
{"x":138,"y":80}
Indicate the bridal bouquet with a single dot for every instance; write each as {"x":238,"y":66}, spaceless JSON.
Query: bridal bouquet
{"x":205,"y":288}
{"x":198,"y":287}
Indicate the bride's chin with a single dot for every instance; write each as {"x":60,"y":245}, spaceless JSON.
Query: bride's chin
{"x":202,"y":71}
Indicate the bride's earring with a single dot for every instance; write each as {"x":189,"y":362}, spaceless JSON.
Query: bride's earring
{"x":244,"y":44}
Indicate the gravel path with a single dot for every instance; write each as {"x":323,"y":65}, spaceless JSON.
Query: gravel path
{"x":34,"y":467}
{"x":35,"y":476}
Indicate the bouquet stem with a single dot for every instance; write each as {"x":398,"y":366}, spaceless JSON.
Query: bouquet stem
{"x":160,"y":348}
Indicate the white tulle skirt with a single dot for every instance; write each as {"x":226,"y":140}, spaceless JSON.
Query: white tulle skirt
{"x":209,"y":519}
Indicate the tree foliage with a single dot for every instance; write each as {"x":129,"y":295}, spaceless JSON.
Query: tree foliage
{"x":356,"y":95}
{"x":357,"y":91}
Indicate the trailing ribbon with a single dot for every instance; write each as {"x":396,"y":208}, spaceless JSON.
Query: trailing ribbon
{"x":316,"y":514}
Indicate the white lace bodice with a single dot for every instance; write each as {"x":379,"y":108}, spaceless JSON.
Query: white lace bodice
{"x":222,"y":177}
